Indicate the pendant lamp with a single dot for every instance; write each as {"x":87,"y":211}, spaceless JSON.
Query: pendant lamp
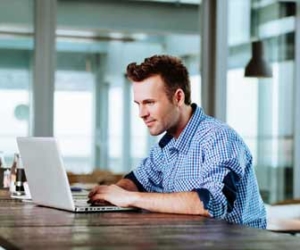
{"x":258,"y":66}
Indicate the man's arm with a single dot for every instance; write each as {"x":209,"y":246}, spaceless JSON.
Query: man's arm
{"x":181,"y":203}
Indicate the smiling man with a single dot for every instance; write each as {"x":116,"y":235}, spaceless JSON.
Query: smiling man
{"x":200,"y":166}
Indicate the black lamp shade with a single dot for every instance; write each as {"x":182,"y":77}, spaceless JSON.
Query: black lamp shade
{"x":258,"y":66}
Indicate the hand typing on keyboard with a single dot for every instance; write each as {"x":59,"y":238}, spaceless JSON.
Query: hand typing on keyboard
{"x":99,"y":203}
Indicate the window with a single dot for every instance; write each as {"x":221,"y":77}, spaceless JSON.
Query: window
{"x":16,"y":39}
{"x":73,"y":115}
{"x":14,"y":108}
{"x":261,"y":109}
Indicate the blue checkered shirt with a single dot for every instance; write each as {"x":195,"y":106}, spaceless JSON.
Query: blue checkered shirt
{"x":210,"y":158}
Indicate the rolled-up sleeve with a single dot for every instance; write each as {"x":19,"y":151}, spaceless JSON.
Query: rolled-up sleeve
{"x":223,"y":167}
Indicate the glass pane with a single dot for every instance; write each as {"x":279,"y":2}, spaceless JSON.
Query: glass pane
{"x":115,"y":129}
{"x":196,"y":89}
{"x":73,"y":109}
{"x":261,"y":109}
{"x":16,"y":45}
{"x":242,"y":98}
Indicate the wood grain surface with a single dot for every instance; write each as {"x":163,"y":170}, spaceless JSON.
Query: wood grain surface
{"x":27,"y":226}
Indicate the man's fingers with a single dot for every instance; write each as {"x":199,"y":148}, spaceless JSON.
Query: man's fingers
{"x":97,"y":201}
{"x":96,"y":190}
{"x":93,"y":191}
{"x":95,"y":197}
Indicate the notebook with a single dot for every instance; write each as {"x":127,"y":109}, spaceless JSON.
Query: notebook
{"x":47,"y":178}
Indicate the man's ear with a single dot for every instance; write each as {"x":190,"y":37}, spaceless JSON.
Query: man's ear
{"x":179,"y":97}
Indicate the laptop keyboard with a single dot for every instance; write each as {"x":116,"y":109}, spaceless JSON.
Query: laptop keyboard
{"x":83,"y":202}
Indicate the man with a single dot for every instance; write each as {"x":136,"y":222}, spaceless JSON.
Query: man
{"x":200,"y":166}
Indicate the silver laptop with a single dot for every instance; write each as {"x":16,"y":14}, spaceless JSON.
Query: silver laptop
{"x":47,"y":178}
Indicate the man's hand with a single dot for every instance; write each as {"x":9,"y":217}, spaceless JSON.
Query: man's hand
{"x":113,"y":194}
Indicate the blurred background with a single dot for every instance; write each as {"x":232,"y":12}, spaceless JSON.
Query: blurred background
{"x":62,"y":66}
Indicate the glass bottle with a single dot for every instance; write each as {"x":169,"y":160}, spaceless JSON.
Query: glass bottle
{"x":13,"y":173}
{"x":20,"y":178}
{"x":4,"y":173}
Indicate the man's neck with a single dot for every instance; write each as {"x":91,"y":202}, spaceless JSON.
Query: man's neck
{"x":185,"y":116}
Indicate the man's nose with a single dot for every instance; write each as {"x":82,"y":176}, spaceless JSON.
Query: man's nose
{"x":143,"y":111}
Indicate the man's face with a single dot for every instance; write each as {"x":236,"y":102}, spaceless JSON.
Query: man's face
{"x":157,"y":111}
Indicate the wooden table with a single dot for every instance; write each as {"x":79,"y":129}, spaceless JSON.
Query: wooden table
{"x":26,"y":226}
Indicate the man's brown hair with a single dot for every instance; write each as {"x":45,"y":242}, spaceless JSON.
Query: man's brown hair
{"x":171,"y":69}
